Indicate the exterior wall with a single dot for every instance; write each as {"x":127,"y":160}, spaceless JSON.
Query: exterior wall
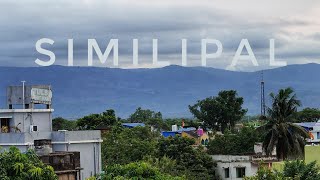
{"x":312,"y":153}
{"x":26,"y":117}
{"x":22,"y":141}
{"x":186,"y":135}
{"x":233,"y":162}
{"x":259,"y":150}
{"x":90,"y":158}
{"x":88,"y":143}
{"x":23,"y":138}
{"x":204,"y":137}
{"x":197,"y":140}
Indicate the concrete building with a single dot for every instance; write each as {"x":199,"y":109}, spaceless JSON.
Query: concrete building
{"x":313,"y":129}
{"x":234,"y":167}
{"x":29,"y":123}
{"x":231,"y":167}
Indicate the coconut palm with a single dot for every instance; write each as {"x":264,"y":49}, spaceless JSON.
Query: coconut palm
{"x":288,"y":138}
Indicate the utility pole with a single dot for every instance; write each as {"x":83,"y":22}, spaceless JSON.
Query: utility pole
{"x":23,"y":103}
{"x":263,"y":105}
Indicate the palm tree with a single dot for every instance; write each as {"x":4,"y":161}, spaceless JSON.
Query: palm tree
{"x":288,"y":138}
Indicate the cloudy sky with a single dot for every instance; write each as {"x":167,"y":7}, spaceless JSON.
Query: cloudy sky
{"x":294,"y":24}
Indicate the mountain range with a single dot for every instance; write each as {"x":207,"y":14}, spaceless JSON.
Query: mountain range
{"x":78,"y":91}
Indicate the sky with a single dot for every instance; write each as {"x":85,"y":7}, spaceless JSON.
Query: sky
{"x":293,"y":24}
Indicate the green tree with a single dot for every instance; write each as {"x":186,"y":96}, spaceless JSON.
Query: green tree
{"x":20,"y":166}
{"x":288,"y":138}
{"x":307,"y":115}
{"x":164,"y":164}
{"x":92,"y":121}
{"x":300,"y":170}
{"x":194,"y":163}
{"x":219,"y":112}
{"x":143,"y":115}
{"x":235,"y":144}
{"x":124,"y":145}
{"x":136,"y":170}
{"x":296,"y":169}
{"x":265,"y":173}
{"x":147,"y":116}
{"x":60,"y":123}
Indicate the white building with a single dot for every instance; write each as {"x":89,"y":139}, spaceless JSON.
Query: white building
{"x":21,"y":127}
{"x":313,"y":129}
{"x":233,"y":167}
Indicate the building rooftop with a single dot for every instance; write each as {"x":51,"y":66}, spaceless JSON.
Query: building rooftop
{"x":25,"y":110}
{"x":132,"y":125}
{"x":308,"y":124}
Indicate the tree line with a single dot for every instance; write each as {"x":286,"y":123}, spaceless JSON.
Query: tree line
{"x":139,"y":147}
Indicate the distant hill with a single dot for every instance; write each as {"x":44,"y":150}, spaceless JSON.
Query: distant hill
{"x":79,"y":91}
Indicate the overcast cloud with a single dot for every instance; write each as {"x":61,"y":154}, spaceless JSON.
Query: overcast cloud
{"x":294,"y":25}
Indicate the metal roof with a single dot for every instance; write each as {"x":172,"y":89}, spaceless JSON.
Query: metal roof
{"x":308,"y":124}
{"x":133,"y":124}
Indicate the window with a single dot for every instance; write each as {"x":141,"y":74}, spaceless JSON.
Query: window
{"x":318,"y":135}
{"x":241,"y":172}
{"x":202,"y":142}
{"x":226,"y":173}
{"x":5,"y":126}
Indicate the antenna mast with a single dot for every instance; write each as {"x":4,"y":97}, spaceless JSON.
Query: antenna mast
{"x":263,"y":105}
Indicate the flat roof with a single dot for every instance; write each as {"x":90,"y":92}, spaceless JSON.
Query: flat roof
{"x":24,"y":110}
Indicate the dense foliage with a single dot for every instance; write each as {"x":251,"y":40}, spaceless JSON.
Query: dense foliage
{"x":108,"y":118}
{"x":90,"y":122}
{"x":141,"y":153}
{"x":60,"y":123}
{"x":296,"y":169}
{"x":220,"y":112}
{"x":19,"y":166}
{"x":149,"y":117}
{"x":265,"y":173}
{"x":300,"y":170}
{"x":194,"y":163}
{"x":238,"y":143}
{"x":144,"y":115}
{"x":173,"y":156}
{"x":307,"y":115}
{"x":136,"y":170}
{"x":288,"y":138}
{"x":93,"y":121}
{"x":123,"y":145}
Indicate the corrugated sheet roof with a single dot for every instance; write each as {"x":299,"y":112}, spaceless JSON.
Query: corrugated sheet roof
{"x":308,"y":124}
{"x":133,"y":124}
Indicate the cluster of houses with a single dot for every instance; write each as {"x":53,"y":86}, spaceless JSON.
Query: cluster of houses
{"x":198,"y":135}
{"x":229,"y":167}
{"x":237,"y":166}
